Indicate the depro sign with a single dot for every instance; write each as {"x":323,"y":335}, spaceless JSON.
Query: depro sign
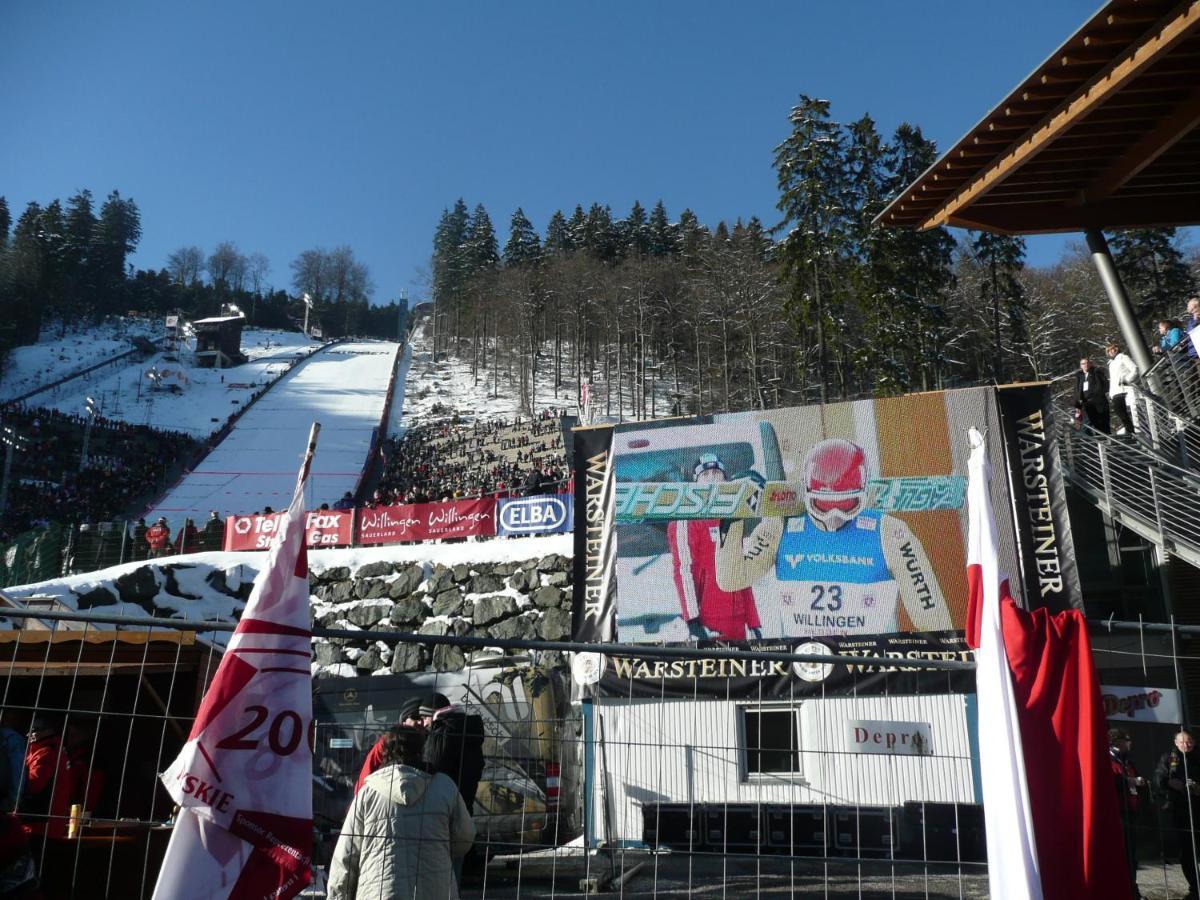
{"x":889,"y":738}
{"x":534,"y":515}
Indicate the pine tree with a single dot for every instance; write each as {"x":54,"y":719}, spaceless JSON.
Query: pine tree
{"x":661,"y":236}
{"x":919,"y":269}
{"x":523,"y":246}
{"x":635,"y":231}
{"x":1153,"y":271}
{"x":1002,"y":257}
{"x":79,"y":274}
{"x":577,"y":228}
{"x":450,"y":270}
{"x":810,"y":168}
{"x":600,"y":236}
{"x":5,"y":222}
{"x":117,"y":236}
{"x":480,"y":248}
{"x":558,"y":236}
{"x":690,"y":234}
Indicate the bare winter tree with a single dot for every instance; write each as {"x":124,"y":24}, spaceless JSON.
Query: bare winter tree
{"x":257,"y":269}
{"x":224,"y":265}
{"x":310,"y":274}
{"x":185,"y":265}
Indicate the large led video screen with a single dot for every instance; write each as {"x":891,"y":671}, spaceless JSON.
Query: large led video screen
{"x":844,"y":520}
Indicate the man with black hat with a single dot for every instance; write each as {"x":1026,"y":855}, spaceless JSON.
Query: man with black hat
{"x":412,"y":713}
{"x":1127,"y":783}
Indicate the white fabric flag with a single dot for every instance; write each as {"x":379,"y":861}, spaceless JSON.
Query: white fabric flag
{"x":244,"y":778}
{"x":1011,"y":848}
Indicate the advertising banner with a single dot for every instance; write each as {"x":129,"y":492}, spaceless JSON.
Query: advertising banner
{"x":844,"y":520}
{"x":427,"y":521}
{"x":551,"y":514}
{"x":1140,"y":704}
{"x":323,"y":528}
{"x":593,"y":600}
{"x":761,"y":679}
{"x":1039,"y":501}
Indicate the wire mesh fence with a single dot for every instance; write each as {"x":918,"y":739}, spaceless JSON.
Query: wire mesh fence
{"x":647,"y":789}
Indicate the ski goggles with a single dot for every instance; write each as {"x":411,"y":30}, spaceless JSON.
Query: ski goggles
{"x":840,"y":501}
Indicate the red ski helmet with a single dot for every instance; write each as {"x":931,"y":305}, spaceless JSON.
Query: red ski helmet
{"x":835,"y":482}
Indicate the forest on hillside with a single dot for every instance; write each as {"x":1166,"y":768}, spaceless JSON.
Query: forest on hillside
{"x":68,"y":262}
{"x":820,"y":305}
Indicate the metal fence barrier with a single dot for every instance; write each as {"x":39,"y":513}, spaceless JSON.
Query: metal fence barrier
{"x":649,"y":789}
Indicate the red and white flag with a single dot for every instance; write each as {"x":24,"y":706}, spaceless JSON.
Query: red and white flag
{"x":243,"y":780}
{"x":1008,"y":818}
{"x":1050,"y":807}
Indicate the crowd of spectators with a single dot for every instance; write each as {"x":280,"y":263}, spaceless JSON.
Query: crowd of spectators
{"x":452,"y":459}
{"x":124,"y":463}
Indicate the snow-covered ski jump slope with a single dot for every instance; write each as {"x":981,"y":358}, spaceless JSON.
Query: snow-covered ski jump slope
{"x":344,"y":388}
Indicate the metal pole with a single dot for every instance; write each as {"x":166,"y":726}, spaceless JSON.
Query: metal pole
{"x":1118,"y":299}
{"x":8,"y":456}
{"x":87,"y":437}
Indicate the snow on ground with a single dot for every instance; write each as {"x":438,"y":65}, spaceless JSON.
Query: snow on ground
{"x":54,"y":357}
{"x":343,"y":388}
{"x":395,"y":428}
{"x":449,"y":382}
{"x":192,"y":574}
{"x":206,"y":397}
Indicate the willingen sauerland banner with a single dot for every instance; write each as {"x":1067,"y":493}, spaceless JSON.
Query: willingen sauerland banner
{"x":838,"y":529}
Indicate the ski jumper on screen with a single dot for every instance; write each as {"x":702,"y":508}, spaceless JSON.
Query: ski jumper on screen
{"x":838,"y":569}
{"x":708,"y":610}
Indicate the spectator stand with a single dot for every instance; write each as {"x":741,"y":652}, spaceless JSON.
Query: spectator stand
{"x":453,"y":459}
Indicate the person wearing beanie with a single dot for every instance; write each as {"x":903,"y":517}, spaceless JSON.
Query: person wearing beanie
{"x":412,"y":713}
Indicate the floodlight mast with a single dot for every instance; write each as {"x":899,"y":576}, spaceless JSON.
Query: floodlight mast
{"x":12,"y":442}
{"x":92,"y":411}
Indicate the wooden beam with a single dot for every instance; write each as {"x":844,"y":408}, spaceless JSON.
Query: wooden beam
{"x":1050,"y":218}
{"x":1158,"y":42}
{"x":1152,"y":145}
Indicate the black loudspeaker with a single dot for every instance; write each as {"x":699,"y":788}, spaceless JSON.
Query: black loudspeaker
{"x":673,"y":825}
{"x":796,"y":830}
{"x":863,"y":831}
{"x":942,"y":832}
{"x":733,"y":826}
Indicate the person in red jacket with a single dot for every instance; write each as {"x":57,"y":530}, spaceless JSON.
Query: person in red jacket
{"x":46,"y":796}
{"x":158,"y":538}
{"x":188,"y":539}
{"x":410,"y":715}
{"x":1127,"y":782}
{"x":705,"y":607}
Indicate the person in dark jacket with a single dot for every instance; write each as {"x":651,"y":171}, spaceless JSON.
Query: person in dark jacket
{"x":1127,"y":783}
{"x":1175,"y":777}
{"x":455,"y":748}
{"x":1091,"y":395}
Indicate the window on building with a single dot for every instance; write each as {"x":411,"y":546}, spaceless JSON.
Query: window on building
{"x":771,"y":741}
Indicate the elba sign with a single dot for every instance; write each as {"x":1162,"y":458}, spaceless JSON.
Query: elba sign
{"x":551,"y":514}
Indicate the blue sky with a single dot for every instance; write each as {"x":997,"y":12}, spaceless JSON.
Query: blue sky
{"x":287,"y":125}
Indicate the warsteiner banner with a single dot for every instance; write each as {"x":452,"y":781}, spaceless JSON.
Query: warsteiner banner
{"x":628,"y":676}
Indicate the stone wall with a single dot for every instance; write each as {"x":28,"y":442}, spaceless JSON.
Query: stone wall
{"x":506,"y":600}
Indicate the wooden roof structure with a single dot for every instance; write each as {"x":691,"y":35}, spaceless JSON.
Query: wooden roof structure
{"x":1104,"y":134}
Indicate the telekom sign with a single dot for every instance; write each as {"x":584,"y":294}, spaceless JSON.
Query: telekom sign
{"x":322,"y":528}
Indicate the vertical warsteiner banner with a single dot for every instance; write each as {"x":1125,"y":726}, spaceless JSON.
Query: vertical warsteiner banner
{"x":593,"y":599}
{"x":839,"y":528}
{"x":1039,"y":500}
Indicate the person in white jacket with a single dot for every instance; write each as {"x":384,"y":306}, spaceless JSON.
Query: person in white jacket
{"x":1122,"y":373}
{"x":403,"y":831}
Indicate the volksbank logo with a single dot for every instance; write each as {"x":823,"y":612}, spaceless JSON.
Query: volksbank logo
{"x":530,"y":515}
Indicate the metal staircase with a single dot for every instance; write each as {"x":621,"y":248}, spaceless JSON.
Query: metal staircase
{"x":1131,"y":483}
